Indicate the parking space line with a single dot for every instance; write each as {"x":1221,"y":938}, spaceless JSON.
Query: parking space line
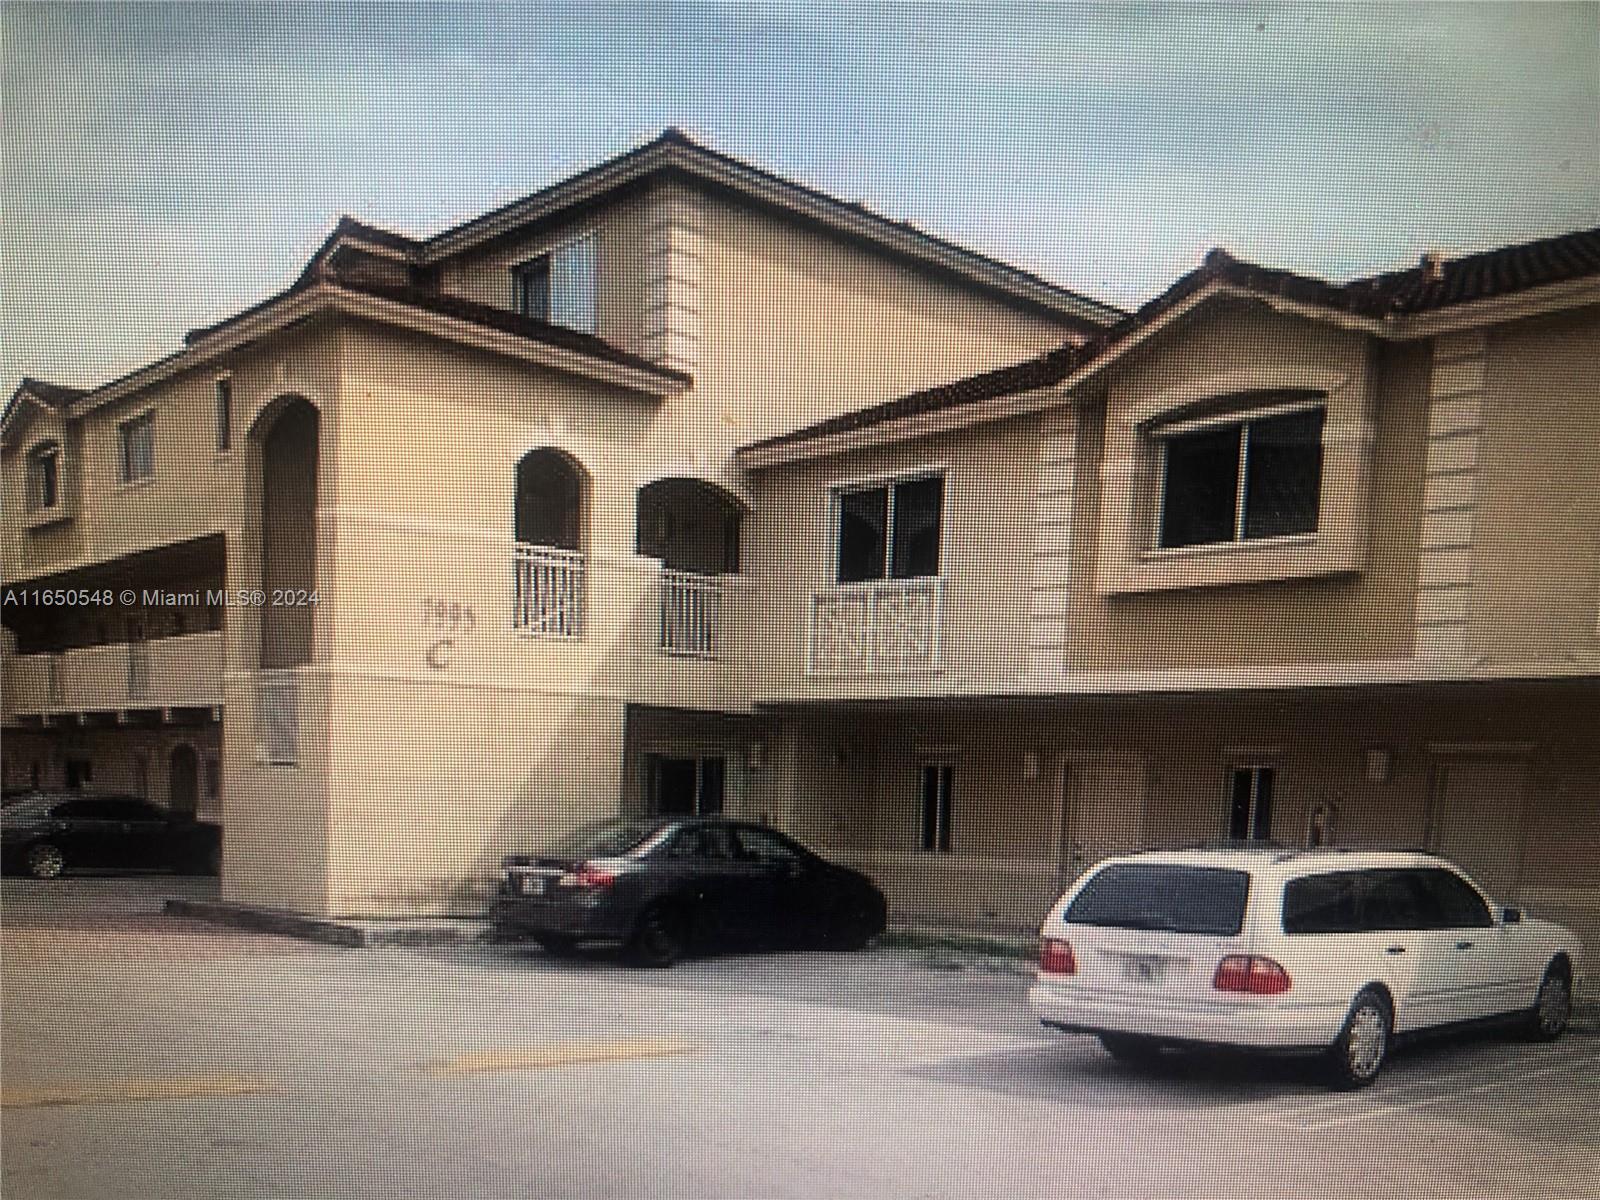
{"x":557,"y":1054}
{"x":118,"y":1091}
{"x":1315,"y":1118}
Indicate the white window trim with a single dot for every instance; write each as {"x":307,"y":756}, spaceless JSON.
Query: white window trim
{"x":549,"y":251}
{"x":34,"y":513}
{"x":149,"y":415}
{"x":889,"y":481}
{"x":1253,"y":766}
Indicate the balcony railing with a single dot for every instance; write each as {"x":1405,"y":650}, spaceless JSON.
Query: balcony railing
{"x":879,"y":627}
{"x":691,"y":614}
{"x":175,"y":672}
{"x":549,"y":591}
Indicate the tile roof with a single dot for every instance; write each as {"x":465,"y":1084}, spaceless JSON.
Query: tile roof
{"x":1434,"y":283}
{"x":51,"y":395}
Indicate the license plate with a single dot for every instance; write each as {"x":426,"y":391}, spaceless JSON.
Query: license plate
{"x":532,"y":885}
{"x":1143,"y":970}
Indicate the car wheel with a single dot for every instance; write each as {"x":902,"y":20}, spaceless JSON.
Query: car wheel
{"x":660,"y":937}
{"x":859,"y":923}
{"x":1130,"y":1048}
{"x":1358,"y":1054}
{"x":1552,"y":1008}
{"x":45,"y":861}
{"x":558,"y":947}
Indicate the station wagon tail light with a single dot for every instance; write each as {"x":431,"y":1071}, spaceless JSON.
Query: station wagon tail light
{"x":1251,"y":973}
{"x":1055,"y":957}
{"x":587,"y":876}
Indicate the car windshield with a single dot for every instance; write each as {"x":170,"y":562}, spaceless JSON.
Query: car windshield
{"x":1165,"y":896}
{"x":21,"y":811}
{"x":599,"y":839}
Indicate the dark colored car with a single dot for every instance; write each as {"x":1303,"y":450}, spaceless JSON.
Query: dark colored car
{"x":660,"y":886}
{"x":47,"y":833}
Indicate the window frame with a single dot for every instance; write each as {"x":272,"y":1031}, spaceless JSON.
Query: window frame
{"x":888,"y":484}
{"x":546,"y":262}
{"x":222,"y":410}
{"x":933,"y":836}
{"x":49,"y":451}
{"x":1164,"y":433}
{"x":1252,"y":812}
{"x":125,"y":461}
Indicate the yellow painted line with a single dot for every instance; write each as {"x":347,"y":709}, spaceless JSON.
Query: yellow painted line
{"x":557,"y":1054}
{"x":118,"y":1091}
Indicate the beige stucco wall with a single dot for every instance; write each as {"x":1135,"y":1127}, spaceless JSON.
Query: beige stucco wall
{"x":1536,"y":552}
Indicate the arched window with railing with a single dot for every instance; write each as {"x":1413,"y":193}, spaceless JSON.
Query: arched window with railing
{"x":549,"y":566}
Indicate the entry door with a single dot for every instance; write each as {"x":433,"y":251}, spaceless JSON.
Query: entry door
{"x":1104,"y":804}
{"x":1477,"y":820}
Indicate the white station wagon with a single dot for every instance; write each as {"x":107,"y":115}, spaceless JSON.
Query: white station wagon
{"x":1331,"y":951}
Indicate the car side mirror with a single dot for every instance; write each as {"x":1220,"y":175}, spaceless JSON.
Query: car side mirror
{"x":1512,"y":916}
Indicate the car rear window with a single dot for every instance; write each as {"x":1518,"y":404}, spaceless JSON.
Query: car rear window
{"x":601,"y":839}
{"x":1166,"y":896}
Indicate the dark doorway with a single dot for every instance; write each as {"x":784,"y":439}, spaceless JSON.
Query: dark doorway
{"x":80,"y":772}
{"x":183,"y":782}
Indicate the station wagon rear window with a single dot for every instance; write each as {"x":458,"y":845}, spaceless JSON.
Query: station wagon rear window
{"x":1164,"y":896}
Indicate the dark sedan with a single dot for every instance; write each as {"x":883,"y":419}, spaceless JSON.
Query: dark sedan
{"x":48,"y":833}
{"x":660,"y":886}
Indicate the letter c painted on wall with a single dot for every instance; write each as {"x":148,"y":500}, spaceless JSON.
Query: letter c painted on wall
{"x":439,"y":654}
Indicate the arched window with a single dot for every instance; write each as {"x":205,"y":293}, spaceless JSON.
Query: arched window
{"x":689,"y":525}
{"x":549,"y":500}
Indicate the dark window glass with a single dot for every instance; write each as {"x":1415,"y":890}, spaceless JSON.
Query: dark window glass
{"x":1181,"y":899}
{"x":936,"y":807}
{"x":918,"y":504}
{"x":1322,"y":904}
{"x":1250,"y":804}
{"x":601,"y":838}
{"x":1457,"y":903}
{"x":1395,"y":900}
{"x":1201,"y":491}
{"x":1283,"y":475}
{"x":713,"y":771}
{"x":863,"y":526}
{"x":45,"y":478}
{"x":533,"y":289}
{"x":767,"y":846}
{"x":224,"y":414}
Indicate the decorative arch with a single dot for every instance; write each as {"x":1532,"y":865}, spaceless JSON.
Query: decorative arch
{"x":690,"y":524}
{"x":550,"y":500}
{"x":287,"y":434}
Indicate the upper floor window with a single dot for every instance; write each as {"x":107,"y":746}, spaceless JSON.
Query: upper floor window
{"x":889,"y":531}
{"x":138,"y":448}
{"x":559,"y":285}
{"x":44,"y":477}
{"x":224,"y":414}
{"x":1239,"y":480}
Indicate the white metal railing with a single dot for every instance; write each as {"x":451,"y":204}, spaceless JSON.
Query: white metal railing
{"x":548,"y":591}
{"x":878,"y":627}
{"x":278,"y":717}
{"x":691,"y":614}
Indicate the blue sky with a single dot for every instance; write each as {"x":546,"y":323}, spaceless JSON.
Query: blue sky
{"x":164,"y":166}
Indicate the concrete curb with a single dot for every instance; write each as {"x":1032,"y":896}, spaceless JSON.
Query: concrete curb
{"x":331,"y":931}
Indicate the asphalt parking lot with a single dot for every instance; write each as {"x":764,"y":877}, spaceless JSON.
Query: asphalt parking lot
{"x":145,"y":1056}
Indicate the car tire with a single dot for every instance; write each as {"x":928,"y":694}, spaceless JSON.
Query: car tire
{"x":660,"y":937}
{"x":1358,"y":1054}
{"x":558,"y":947}
{"x":1552,"y":1006}
{"x":46,"y":861}
{"x":1130,"y":1048}
{"x":859,"y":923}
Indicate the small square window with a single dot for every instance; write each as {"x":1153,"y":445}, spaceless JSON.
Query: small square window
{"x":138,"y":448}
{"x":892,"y":531}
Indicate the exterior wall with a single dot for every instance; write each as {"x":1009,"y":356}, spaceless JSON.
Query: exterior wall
{"x":112,"y":753}
{"x":1536,"y":545}
{"x":1043,"y":789}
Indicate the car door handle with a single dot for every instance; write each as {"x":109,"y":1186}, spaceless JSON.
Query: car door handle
{"x":1464,"y":945}
{"x":1395,"y":950}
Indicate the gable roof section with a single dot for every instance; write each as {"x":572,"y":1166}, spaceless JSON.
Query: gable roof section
{"x":1381,"y":304}
{"x":675,"y":155}
{"x":54,"y":396}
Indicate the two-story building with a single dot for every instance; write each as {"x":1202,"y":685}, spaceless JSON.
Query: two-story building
{"x":1270,"y":558}
{"x":442,"y":549}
